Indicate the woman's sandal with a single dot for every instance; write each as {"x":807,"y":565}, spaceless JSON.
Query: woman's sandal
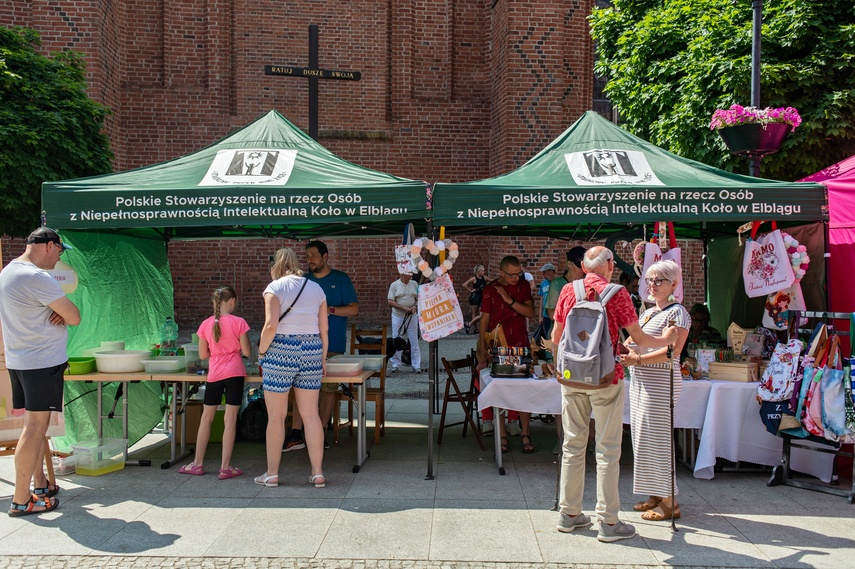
{"x":667,"y":513}
{"x":192,"y":469}
{"x":648,"y":504}
{"x":48,"y":491}
{"x":504,"y":445}
{"x":17,"y":510}
{"x":527,"y":447}
{"x":230,"y":472}
{"x":269,"y":480}
{"x":314,"y":480}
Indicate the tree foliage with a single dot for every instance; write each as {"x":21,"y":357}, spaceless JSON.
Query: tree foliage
{"x":49,"y":128}
{"x":672,"y":63}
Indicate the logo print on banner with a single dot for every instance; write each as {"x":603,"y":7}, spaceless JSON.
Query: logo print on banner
{"x":251,"y":166}
{"x":604,"y":166}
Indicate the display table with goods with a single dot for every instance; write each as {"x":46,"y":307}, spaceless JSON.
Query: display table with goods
{"x":180,"y":385}
{"x":725,"y":412}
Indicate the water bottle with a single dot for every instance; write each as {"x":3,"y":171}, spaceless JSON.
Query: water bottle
{"x":169,"y":338}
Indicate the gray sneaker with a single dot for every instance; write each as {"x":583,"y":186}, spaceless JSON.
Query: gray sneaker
{"x":566,"y":523}
{"x":616,"y":532}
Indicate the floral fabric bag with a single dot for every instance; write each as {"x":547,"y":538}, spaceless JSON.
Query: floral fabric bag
{"x":766,"y":267}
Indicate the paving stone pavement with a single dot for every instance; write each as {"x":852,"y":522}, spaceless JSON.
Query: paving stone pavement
{"x":391,"y":515}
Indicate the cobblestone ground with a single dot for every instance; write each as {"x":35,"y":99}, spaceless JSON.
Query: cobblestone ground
{"x":77,"y":562}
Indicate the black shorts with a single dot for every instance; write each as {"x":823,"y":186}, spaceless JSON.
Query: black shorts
{"x":38,"y":389}
{"x":232,"y":387}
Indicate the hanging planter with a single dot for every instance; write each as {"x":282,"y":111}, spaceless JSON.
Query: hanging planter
{"x":755,"y":138}
{"x":753,"y":131}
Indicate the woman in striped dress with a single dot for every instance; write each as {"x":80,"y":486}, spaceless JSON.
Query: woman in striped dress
{"x":650,"y":395}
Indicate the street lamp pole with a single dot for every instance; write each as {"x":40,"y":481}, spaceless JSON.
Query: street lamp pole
{"x":757,"y":7}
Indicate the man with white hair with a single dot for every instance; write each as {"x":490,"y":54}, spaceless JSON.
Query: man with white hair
{"x":606,"y":403}
{"x":35,"y":312}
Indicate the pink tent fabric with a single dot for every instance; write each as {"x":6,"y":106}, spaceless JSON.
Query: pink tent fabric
{"x":840,"y":181}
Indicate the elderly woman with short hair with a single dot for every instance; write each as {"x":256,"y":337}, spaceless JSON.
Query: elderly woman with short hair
{"x":650,"y":395}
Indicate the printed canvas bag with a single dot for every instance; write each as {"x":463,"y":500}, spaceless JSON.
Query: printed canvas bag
{"x":766,"y":267}
{"x":778,"y":381}
{"x":779,"y":304}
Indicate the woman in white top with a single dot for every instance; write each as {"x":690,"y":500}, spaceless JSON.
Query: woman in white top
{"x":293,"y":349}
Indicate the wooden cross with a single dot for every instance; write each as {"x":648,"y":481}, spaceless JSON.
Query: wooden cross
{"x":312,"y":73}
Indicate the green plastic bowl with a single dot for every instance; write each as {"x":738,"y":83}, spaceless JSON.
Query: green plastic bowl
{"x":80,"y":366}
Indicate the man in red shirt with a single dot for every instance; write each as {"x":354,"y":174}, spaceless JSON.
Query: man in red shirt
{"x":606,"y":404}
{"x":507,"y":301}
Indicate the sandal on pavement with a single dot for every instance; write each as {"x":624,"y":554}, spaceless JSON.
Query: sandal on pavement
{"x":269,"y":480}
{"x":17,"y":510}
{"x":318,"y":480}
{"x":192,"y":469}
{"x":648,"y":504}
{"x":527,"y":447}
{"x":230,"y":472}
{"x":666,"y":513}
{"x":48,"y":491}
{"x":504,"y":445}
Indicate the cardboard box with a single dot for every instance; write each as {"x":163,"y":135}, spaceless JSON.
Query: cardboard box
{"x":193,"y":417}
{"x":737,"y":371}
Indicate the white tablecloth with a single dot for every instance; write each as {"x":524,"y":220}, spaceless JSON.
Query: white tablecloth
{"x":726,"y":412}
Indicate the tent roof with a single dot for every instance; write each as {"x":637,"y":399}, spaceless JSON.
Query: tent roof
{"x":266,"y":179}
{"x":596,"y":177}
{"x":840,"y":180}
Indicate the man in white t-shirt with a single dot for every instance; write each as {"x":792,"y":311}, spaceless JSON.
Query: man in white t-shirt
{"x":34,"y":313}
{"x":403,"y":298}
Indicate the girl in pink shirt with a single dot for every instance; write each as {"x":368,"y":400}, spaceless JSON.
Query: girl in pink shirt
{"x":223,"y":338}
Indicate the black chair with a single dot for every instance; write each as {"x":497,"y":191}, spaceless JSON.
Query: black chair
{"x":468,"y":399}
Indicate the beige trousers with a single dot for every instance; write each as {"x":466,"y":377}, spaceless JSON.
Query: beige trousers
{"x":576,"y":408}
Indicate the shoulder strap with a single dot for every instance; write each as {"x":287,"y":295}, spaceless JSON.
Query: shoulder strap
{"x":284,"y":314}
{"x":579,"y":289}
{"x":610,"y":290}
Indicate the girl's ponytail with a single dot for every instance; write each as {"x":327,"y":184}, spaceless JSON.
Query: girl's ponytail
{"x":218,"y":299}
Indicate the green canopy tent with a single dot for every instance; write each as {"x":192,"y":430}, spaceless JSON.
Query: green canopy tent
{"x":597,"y":181}
{"x":266,"y":180}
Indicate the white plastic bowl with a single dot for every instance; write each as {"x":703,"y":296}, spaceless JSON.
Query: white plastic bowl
{"x":369,"y":362}
{"x":120,"y":361}
{"x":105,"y":346}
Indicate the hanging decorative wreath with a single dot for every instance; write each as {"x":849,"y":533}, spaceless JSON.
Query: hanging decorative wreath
{"x":434,"y":248}
{"x":638,"y":258}
{"x":798,"y":255}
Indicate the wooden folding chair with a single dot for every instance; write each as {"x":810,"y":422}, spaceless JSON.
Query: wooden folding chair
{"x":375,"y":394}
{"x":468,"y":399}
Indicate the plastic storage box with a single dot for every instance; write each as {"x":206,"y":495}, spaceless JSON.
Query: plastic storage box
{"x":80,"y":366}
{"x":369,"y":362}
{"x":192,"y":361}
{"x":99,"y":456}
{"x":164,"y":364}
{"x":344,"y":369}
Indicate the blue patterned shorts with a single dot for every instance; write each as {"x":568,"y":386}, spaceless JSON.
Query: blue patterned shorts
{"x":292,"y":361}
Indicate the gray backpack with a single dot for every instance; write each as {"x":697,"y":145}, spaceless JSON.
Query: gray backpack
{"x":586,"y":357}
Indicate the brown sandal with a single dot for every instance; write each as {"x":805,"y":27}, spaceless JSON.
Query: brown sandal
{"x":667,"y":513}
{"x":648,"y":504}
{"x":504,"y":445}
{"x":527,"y":447}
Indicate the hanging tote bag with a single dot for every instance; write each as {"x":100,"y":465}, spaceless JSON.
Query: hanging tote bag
{"x":778,"y":305}
{"x":812,"y":419}
{"x":778,"y":381}
{"x":439,"y":310}
{"x":403,"y":260}
{"x":766,"y":267}
{"x":653,"y":253}
{"x":791,"y":424}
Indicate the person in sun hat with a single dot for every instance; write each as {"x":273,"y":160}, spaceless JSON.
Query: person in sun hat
{"x":35,"y":314}
{"x":548,"y":272}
